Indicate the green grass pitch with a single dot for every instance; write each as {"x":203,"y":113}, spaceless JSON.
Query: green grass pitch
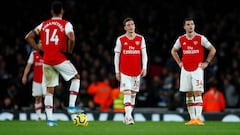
{"x":118,"y":128}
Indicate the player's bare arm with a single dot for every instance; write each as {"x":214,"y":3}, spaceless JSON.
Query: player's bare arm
{"x":211,"y":54}
{"x":71,"y":42}
{"x":30,"y":38}
{"x":176,"y":57}
{"x":25,"y":74}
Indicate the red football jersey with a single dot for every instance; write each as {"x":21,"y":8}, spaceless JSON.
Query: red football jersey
{"x":130,"y":56}
{"x":37,"y":60}
{"x":54,"y":40}
{"x":192,"y":52}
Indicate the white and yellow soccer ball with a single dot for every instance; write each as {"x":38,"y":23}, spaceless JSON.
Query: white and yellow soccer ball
{"x":80,"y":120}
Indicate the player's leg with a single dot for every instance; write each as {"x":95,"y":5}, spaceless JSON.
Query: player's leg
{"x":191,"y":108}
{"x":127,"y":102}
{"x":198,"y":107}
{"x":125,"y":88}
{"x":74,"y":89}
{"x":37,"y":94}
{"x":38,"y":107}
{"x":198,"y":87}
{"x":69,"y":72}
{"x":51,"y":78}
{"x":186,"y":87}
{"x":48,"y":101}
{"x":128,"y":119}
{"x":135,"y":82}
{"x":133,"y":99}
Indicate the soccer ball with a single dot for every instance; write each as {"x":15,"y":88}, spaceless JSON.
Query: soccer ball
{"x":80,"y":120}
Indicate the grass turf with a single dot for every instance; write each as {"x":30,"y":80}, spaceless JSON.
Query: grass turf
{"x":118,"y":128}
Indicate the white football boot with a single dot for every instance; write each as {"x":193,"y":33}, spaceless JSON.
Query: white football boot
{"x":128,"y":120}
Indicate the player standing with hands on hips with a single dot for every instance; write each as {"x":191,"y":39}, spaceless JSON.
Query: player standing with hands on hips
{"x":192,"y":66}
{"x":58,"y":39}
{"x":130,"y":62}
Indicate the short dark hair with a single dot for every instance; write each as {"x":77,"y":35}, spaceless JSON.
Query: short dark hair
{"x":57,"y":6}
{"x":187,"y":19}
{"x":126,"y":20}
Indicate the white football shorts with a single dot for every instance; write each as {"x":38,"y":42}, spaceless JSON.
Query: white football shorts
{"x":38,"y":89}
{"x":129,"y":83}
{"x":192,"y":80}
{"x":51,"y":73}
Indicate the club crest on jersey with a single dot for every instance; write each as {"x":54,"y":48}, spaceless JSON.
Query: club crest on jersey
{"x":125,"y":43}
{"x":137,"y":42}
{"x":195,"y":42}
{"x":184,"y":43}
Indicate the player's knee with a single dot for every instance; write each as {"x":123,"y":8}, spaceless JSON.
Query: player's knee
{"x":189,"y":94}
{"x":77,"y":76}
{"x":75,"y":85}
{"x":127,"y":92}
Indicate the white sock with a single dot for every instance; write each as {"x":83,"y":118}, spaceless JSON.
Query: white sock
{"x":127,"y":103}
{"x":74,"y":89}
{"x":48,"y":101}
{"x":38,"y":109}
{"x":133,"y":98}
{"x":198,"y":107}
{"x":191,"y":107}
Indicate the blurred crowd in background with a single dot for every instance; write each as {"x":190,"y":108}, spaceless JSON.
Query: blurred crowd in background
{"x":97,"y":25}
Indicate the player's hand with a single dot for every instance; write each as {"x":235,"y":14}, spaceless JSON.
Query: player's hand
{"x":203,"y":65}
{"x":144,"y":72}
{"x":24,"y":80}
{"x":41,"y":52}
{"x":180,"y":64}
{"x":68,"y":56}
{"x":118,"y":76}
